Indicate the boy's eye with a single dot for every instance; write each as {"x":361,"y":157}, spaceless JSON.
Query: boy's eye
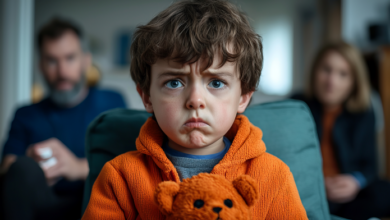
{"x":216,"y":84}
{"x":173,"y":84}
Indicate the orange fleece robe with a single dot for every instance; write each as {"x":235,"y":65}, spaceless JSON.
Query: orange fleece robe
{"x":125,"y":187}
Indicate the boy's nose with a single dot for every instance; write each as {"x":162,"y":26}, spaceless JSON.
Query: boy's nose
{"x":195,"y":100}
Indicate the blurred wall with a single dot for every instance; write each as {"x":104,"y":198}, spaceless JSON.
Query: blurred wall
{"x":16,"y":58}
{"x":357,"y":15}
{"x":2,"y":123}
{"x":102,"y":20}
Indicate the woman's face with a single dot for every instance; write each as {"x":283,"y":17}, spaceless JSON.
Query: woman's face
{"x":333,"y":80}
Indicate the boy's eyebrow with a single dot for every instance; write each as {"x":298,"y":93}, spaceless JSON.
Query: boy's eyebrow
{"x":218,"y":72}
{"x":206,"y":72}
{"x":171,"y":73}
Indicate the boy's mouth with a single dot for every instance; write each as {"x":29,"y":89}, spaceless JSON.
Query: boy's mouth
{"x":195,"y":123}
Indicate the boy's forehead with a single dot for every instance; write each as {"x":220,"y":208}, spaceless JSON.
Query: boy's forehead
{"x":170,"y":65}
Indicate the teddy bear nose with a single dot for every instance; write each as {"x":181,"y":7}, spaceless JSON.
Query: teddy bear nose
{"x":217,"y":209}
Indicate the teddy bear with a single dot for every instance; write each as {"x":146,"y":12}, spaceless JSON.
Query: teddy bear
{"x":207,"y":197}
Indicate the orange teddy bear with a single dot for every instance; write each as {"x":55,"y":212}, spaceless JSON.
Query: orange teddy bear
{"x":208,"y":197}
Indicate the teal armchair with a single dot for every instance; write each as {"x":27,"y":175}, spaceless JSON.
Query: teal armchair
{"x":288,"y":132}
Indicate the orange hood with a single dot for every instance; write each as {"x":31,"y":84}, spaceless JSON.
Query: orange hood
{"x":246,"y":144}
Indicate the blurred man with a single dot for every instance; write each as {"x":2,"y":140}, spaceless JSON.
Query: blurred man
{"x":44,"y":165}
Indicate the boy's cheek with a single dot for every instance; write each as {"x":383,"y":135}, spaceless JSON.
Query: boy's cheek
{"x":224,"y":115}
{"x":167,"y":111}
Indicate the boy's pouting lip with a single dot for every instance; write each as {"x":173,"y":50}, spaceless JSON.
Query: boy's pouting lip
{"x":194,"y":106}
{"x":195,"y":123}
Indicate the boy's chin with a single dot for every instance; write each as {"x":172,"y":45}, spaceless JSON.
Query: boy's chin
{"x":197,"y":139}
{"x":192,"y":141}
{"x":190,"y":144}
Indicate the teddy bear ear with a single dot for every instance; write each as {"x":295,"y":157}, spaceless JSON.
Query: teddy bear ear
{"x":248,"y":189}
{"x":164,"y":196}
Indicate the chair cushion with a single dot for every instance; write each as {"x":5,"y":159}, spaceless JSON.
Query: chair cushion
{"x":110,"y":134}
{"x":288,"y":132}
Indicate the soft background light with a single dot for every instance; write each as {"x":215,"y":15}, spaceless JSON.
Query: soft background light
{"x":277,"y":73}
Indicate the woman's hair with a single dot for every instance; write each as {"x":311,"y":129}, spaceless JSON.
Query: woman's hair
{"x":359,"y":99}
{"x":192,"y":29}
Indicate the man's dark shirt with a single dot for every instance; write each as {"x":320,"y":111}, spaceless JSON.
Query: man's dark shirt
{"x":45,"y":120}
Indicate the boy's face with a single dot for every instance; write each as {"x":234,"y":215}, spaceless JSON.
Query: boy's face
{"x":195,"y":108}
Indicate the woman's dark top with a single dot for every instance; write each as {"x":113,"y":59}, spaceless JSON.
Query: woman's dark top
{"x":354,"y":140}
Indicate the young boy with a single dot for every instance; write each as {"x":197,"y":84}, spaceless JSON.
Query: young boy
{"x":196,"y":66}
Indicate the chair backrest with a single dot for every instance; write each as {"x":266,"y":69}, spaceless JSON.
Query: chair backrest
{"x":288,"y":132}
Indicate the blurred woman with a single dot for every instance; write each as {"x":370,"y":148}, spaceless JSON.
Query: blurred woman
{"x":338,"y":95}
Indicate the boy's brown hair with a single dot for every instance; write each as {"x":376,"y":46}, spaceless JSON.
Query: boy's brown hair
{"x":192,"y":29}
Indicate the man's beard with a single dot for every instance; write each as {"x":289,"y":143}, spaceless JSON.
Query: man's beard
{"x":67,"y":97}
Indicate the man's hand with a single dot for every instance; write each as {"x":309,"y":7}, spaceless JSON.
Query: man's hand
{"x":67,"y":164}
{"x":8,"y":160}
{"x":341,"y":188}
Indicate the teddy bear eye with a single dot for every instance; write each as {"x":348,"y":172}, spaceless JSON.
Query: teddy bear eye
{"x":228,"y":203}
{"x":198,"y":204}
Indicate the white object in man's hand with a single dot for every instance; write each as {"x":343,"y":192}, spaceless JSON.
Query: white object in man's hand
{"x":46,"y":164}
{"x":45,"y":152}
{"x":65,"y":163}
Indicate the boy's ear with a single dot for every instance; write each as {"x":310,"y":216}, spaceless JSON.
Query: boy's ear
{"x":145,"y":99}
{"x":244,"y":102}
{"x":164,"y":195}
{"x":248,"y":189}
